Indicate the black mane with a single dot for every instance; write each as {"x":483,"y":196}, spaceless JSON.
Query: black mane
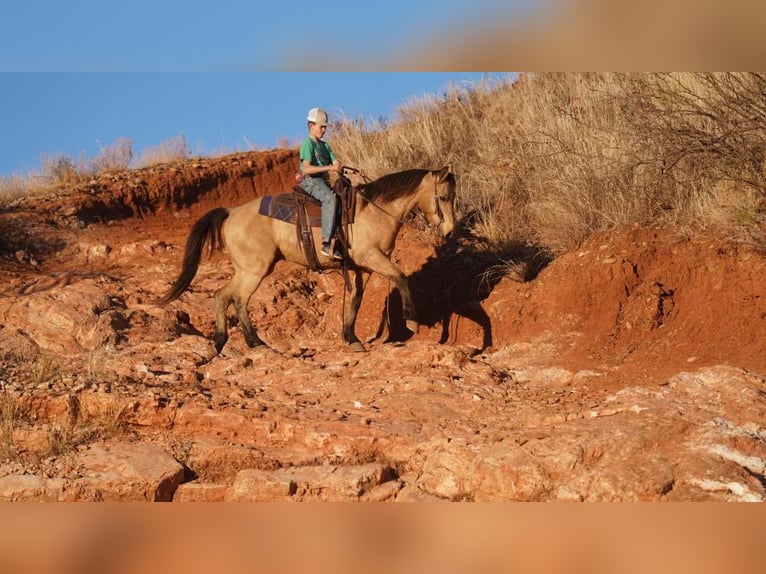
{"x":394,"y":185}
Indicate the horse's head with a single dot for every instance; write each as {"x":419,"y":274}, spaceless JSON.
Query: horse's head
{"x":438,"y":204}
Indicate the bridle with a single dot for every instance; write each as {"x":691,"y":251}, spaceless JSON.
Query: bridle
{"x":438,"y":199}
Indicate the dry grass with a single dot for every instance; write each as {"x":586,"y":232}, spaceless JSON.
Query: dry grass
{"x":12,"y":187}
{"x":8,"y":418}
{"x":43,"y":369}
{"x":88,"y":421}
{"x":105,"y":419}
{"x":38,"y":366}
{"x":113,"y":158}
{"x":88,"y":417}
{"x":170,"y":150}
{"x":60,"y":171}
{"x":552,"y":158}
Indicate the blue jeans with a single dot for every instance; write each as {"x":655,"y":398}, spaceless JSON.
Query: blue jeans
{"x":317,"y":187}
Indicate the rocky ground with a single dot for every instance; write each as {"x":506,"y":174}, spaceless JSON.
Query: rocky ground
{"x":633,"y":368}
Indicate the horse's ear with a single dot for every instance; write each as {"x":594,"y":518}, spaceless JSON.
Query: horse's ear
{"x":441,"y":174}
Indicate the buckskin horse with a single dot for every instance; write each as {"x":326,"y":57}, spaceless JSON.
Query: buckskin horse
{"x":255,"y":242}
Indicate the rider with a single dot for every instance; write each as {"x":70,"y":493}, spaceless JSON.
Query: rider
{"x":317,"y":161}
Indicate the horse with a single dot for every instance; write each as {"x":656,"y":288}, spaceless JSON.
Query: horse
{"x":255,"y":243}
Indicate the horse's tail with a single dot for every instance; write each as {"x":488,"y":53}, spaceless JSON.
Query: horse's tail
{"x":206,"y":230}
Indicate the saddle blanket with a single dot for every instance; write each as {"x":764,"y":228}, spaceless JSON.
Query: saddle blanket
{"x":285,"y":208}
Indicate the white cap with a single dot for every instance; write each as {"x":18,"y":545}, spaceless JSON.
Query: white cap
{"x":317,"y":116}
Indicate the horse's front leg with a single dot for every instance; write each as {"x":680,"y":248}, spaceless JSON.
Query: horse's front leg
{"x":379,"y":263}
{"x":349,"y":318}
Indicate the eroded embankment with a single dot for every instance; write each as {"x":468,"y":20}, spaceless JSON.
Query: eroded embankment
{"x":184,"y":186}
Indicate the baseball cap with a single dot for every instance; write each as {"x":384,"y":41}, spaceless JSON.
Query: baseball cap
{"x":318,"y":116}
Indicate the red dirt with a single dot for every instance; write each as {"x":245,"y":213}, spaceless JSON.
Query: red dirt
{"x":629,"y":309}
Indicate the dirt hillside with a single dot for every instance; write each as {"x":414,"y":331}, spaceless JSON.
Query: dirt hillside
{"x":633,"y":368}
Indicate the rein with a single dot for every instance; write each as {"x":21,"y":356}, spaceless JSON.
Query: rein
{"x":367,"y":199}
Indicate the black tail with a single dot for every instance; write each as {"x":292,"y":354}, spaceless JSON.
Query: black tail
{"x":206,"y":230}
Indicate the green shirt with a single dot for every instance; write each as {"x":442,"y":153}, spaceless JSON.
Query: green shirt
{"x":316,"y":152}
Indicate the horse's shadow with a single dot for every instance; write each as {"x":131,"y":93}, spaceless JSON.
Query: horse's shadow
{"x":453,"y":283}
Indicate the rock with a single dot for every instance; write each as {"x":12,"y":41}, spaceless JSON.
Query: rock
{"x":410,"y":493}
{"x":25,"y":487}
{"x":325,"y":483}
{"x":385,"y":492}
{"x":262,"y":486}
{"x":68,"y":318}
{"x":447,"y":470}
{"x":95,"y":252}
{"x":200,"y":492}
{"x":122,"y":472}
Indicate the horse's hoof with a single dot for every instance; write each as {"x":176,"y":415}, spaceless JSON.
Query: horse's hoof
{"x":211,"y":352}
{"x":412,"y":325}
{"x":219,"y":343}
{"x":357,"y":347}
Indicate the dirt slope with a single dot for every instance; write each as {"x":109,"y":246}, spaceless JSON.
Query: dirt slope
{"x":630,"y":369}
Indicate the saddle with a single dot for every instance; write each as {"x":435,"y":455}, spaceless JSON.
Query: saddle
{"x":305,"y":212}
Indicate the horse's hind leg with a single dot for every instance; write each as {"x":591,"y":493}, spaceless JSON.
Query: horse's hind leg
{"x":240,"y":297}
{"x":349,"y":319}
{"x":222,"y":302}
{"x":238,"y":292}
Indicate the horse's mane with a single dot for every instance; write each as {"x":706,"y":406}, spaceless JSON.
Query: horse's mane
{"x":394,"y":185}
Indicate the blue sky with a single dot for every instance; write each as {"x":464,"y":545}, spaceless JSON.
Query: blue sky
{"x":225,"y":35}
{"x":230,"y":74}
{"x":76,"y":113}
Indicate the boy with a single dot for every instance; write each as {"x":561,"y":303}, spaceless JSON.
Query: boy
{"x":317,"y":161}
